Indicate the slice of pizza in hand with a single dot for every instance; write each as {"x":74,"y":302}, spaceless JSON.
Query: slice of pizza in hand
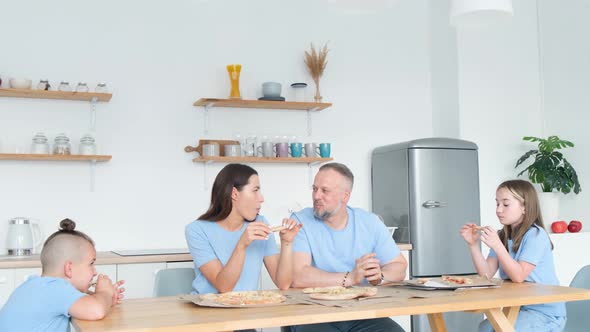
{"x":277,"y":228}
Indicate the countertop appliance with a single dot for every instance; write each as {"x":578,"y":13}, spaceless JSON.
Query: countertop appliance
{"x":429,"y":188}
{"x":22,"y":236}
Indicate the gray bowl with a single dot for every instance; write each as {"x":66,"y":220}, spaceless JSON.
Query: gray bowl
{"x":271,"y":89}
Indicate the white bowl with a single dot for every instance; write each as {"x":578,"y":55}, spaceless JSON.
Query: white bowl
{"x":271,"y":89}
{"x":20,"y":83}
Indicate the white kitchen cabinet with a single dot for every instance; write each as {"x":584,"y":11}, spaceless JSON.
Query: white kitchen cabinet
{"x":139,"y":278}
{"x":6,"y":284}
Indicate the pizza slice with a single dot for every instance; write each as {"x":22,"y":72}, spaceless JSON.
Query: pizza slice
{"x":246,"y":298}
{"x":457,"y":280}
{"x":277,"y":228}
{"x":476,"y":228}
{"x":323,"y":289}
{"x":340,"y":293}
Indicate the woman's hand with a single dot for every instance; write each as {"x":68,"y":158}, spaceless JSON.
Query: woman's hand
{"x":288,"y":234}
{"x":256,"y":230}
{"x":470,"y":234}
{"x":490,"y":237}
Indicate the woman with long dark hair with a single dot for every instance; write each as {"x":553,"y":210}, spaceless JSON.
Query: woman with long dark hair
{"x":231,"y":240}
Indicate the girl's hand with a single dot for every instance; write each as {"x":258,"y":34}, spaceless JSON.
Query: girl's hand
{"x":256,"y":230}
{"x":470,"y":234}
{"x":288,"y":234}
{"x":490,"y":237}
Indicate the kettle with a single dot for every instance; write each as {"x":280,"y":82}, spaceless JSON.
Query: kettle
{"x":22,"y":236}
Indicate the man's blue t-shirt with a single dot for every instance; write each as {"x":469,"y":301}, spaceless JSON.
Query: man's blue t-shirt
{"x":535,"y":248}
{"x":208,"y":241}
{"x":336,"y":250}
{"x":39,"y":304}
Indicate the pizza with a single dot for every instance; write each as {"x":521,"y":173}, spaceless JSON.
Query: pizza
{"x":278,"y":228}
{"x":457,"y":280}
{"x":340,"y":293}
{"x":476,"y":229}
{"x":246,"y":298}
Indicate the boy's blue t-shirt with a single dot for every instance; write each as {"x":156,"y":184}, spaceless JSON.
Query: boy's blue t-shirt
{"x":535,"y":248}
{"x":39,"y":304}
{"x":208,"y":241}
{"x":336,"y":250}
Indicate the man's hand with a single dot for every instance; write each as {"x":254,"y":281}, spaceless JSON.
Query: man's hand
{"x":367,"y":267}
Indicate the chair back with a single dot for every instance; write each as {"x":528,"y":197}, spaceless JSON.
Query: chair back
{"x":577,"y":311}
{"x":176,"y":281}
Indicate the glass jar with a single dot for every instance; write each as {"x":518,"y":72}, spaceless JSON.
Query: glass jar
{"x":61,"y":145}
{"x":43,"y":85}
{"x":64,"y":86}
{"x":82,"y":87}
{"x":87,"y":145}
{"x":40,"y":145}
{"x":101,"y":88}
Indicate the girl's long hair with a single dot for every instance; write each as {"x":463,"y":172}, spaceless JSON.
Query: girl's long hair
{"x":526,"y":194}
{"x":231,"y":176}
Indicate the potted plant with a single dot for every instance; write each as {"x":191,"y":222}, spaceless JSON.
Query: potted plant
{"x":551,"y":171}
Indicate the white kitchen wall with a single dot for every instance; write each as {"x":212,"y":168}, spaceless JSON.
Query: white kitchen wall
{"x":158,"y":58}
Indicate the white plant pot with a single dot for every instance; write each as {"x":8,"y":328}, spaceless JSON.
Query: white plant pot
{"x":549,"y":206}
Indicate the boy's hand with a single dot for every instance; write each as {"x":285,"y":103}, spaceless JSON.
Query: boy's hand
{"x":118,"y":292}
{"x":104,"y":285}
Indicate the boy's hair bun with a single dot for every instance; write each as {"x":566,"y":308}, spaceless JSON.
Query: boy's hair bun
{"x":67,"y":225}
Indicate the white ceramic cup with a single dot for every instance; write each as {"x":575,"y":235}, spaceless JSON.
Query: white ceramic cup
{"x":232,"y":150}
{"x":211,"y":150}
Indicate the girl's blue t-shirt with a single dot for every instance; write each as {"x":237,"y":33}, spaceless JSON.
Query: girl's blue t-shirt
{"x":208,"y":241}
{"x":535,"y":248}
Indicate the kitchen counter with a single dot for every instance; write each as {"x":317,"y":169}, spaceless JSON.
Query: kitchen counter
{"x":108,"y":257}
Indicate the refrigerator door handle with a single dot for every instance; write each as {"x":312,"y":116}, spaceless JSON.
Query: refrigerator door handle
{"x":433,"y":204}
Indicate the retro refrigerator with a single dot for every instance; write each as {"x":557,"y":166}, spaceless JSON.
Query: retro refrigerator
{"x":429,"y":188}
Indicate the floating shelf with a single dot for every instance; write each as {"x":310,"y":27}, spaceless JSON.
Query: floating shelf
{"x":266,"y":104}
{"x":43,"y":94}
{"x":54,"y":157}
{"x":289,"y":160}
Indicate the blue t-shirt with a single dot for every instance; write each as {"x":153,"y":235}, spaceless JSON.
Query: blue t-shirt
{"x":208,"y":241}
{"x":535,"y":248}
{"x":39,"y":304}
{"x":336,"y":250}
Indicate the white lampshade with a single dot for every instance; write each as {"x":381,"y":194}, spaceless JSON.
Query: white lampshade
{"x":477,"y":13}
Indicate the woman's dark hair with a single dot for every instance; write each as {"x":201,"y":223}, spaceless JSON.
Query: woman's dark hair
{"x":231,"y":176}
{"x":68,"y":226}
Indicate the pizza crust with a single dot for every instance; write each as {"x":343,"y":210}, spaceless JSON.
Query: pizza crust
{"x":278,"y":228}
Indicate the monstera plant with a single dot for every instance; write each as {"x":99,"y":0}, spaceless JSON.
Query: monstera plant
{"x":549,"y":168}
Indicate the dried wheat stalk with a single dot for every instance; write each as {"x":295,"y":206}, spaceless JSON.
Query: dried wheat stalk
{"x":316,"y":64}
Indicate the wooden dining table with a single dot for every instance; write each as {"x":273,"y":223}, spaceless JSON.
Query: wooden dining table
{"x":501,"y":306}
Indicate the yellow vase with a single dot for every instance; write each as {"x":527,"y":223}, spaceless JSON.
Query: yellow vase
{"x":234,"y":78}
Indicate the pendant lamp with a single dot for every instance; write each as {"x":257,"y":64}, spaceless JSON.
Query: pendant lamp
{"x":479,"y":13}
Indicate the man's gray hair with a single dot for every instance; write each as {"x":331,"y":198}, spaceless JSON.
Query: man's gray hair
{"x":341,"y":169}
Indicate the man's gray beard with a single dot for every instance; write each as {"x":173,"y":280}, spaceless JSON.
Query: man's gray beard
{"x":322,"y":216}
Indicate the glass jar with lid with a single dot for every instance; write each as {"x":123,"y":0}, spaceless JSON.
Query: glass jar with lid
{"x":61,"y":145}
{"x":101,"y":88}
{"x":82,"y":87}
{"x":64,"y":86}
{"x":40,"y":145}
{"x":87,"y":145}
{"x":43,"y":85}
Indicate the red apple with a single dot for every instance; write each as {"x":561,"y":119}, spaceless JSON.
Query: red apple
{"x":559,"y":226}
{"x":574,"y":226}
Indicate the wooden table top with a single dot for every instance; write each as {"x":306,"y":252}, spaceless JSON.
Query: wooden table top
{"x":170,"y":314}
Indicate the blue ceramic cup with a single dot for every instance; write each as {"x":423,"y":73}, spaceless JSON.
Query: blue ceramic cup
{"x":296,"y":150}
{"x":325,"y":150}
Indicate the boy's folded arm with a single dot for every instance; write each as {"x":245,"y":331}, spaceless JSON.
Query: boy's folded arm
{"x":92,"y":306}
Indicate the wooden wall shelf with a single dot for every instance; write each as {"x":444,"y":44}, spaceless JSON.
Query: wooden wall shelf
{"x":289,"y":160}
{"x":54,"y":157}
{"x":43,"y":94}
{"x":264,"y":104}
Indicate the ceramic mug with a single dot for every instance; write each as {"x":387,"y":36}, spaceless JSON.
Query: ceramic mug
{"x":282,"y":149}
{"x":296,"y":150}
{"x":232,"y":150}
{"x":266,"y":149}
{"x":211,"y":150}
{"x":311,"y":150}
{"x":325,"y":150}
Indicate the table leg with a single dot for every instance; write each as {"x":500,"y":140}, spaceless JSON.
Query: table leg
{"x":499,"y":321}
{"x":511,"y":313}
{"x":437,"y":322}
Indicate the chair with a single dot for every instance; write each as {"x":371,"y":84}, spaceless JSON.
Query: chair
{"x":577,"y":311}
{"x":170,"y":282}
